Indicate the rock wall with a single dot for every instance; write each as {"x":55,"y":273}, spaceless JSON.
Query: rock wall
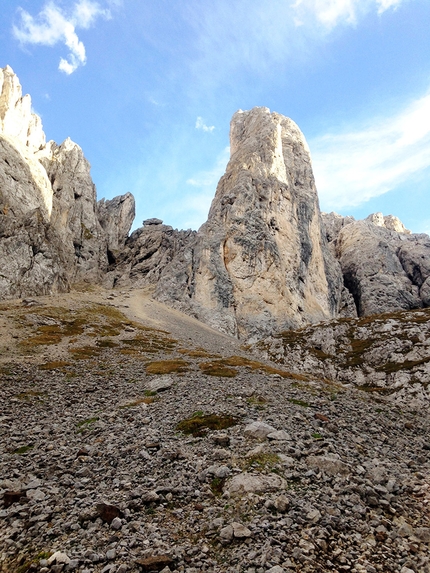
{"x":385,"y":267}
{"x":260,"y":263}
{"x":265,"y":260}
{"x":50,"y":233}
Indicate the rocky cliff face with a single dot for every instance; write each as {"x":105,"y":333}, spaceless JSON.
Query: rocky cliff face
{"x":385,"y":267}
{"x":265,"y":261}
{"x":50,"y":233}
{"x":260,"y":263}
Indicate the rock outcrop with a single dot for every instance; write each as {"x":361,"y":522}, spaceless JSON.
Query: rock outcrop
{"x":387,"y":354}
{"x":147,"y":253}
{"x":265,"y":261}
{"x":385,"y":267}
{"x":50,"y":233}
{"x":260,"y":263}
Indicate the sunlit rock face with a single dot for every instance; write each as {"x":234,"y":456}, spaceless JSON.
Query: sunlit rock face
{"x":261,"y":262}
{"x":50,"y":233}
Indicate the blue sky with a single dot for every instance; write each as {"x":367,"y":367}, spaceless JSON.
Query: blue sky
{"x":147,"y":88}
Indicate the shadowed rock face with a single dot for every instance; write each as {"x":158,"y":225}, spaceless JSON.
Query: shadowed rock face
{"x":385,"y":267}
{"x":260,"y":263}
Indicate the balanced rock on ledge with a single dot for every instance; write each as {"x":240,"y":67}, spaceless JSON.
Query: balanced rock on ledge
{"x":261,"y":262}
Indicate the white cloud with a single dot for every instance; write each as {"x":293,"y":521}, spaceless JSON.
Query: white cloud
{"x":52,"y":26}
{"x":200,"y":124}
{"x":330,"y":13}
{"x":351,"y":168}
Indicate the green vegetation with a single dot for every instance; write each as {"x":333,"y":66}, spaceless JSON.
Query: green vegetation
{"x":167,"y":366}
{"x":199,"y":424}
{"x":299,"y":402}
{"x":217,"y":368}
{"x":23,"y":449}
{"x":87,"y":424}
{"x":262,"y":462}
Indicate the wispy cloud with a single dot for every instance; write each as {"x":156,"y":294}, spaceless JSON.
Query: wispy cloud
{"x":270,"y":32}
{"x":331,"y":13}
{"x":200,"y":124}
{"x":53,"y":26}
{"x":352,"y":167}
{"x":196,"y":203}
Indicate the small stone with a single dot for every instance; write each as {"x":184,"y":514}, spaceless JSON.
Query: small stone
{"x":221,"y":439}
{"x":11,"y":497}
{"x":152,"y":221}
{"x":160,"y":383}
{"x":111,"y":554}
{"x":59,"y":557}
{"x":313,"y":515}
{"x":116,"y":523}
{"x":275,"y":569}
{"x":240,"y":531}
{"x":280,"y":435}
{"x":108,"y":512}
{"x":258,"y":430}
{"x":155,"y":563}
{"x":226,"y":534}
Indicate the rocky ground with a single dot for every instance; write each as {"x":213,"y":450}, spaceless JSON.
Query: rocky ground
{"x":135,"y":439}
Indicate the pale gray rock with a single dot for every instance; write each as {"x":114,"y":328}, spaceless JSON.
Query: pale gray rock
{"x":160,"y":383}
{"x":50,"y":235}
{"x":245,"y":483}
{"x":280,"y":436}
{"x":259,"y":430}
{"x":330,"y":464}
{"x":240,"y":531}
{"x":147,"y":252}
{"x":261,"y":261}
{"x":372,"y":269}
{"x":152,"y":221}
{"x":116,"y":217}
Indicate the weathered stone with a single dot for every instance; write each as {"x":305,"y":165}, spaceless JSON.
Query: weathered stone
{"x":116,"y":217}
{"x":11,"y":497}
{"x":330,"y":464}
{"x":160,"y":383}
{"x":244,"y":483}
{"x":258,"y":430}
{"x":155,"y":563}
{"x":108,"y":512}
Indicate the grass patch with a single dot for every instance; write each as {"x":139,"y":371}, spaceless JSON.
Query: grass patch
{"x":217,"y":486}
{"x":87,"y":424}
{"x":23,"y":449}
{"x":262,"y":462}
{"x":217,"y":368}
{"x":390,"y":367}
{"x":197,"y":353}
{"x":199,"y":424}
{"x":257,"y":401}
{"x":237,"y":361}
{"x":167,"y":366}
{"x":299,"y":403}
{"x":150,"y":342}
{"x":138,"y":402}
{"x":85,"y":352}
{"x":106,"y":343}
